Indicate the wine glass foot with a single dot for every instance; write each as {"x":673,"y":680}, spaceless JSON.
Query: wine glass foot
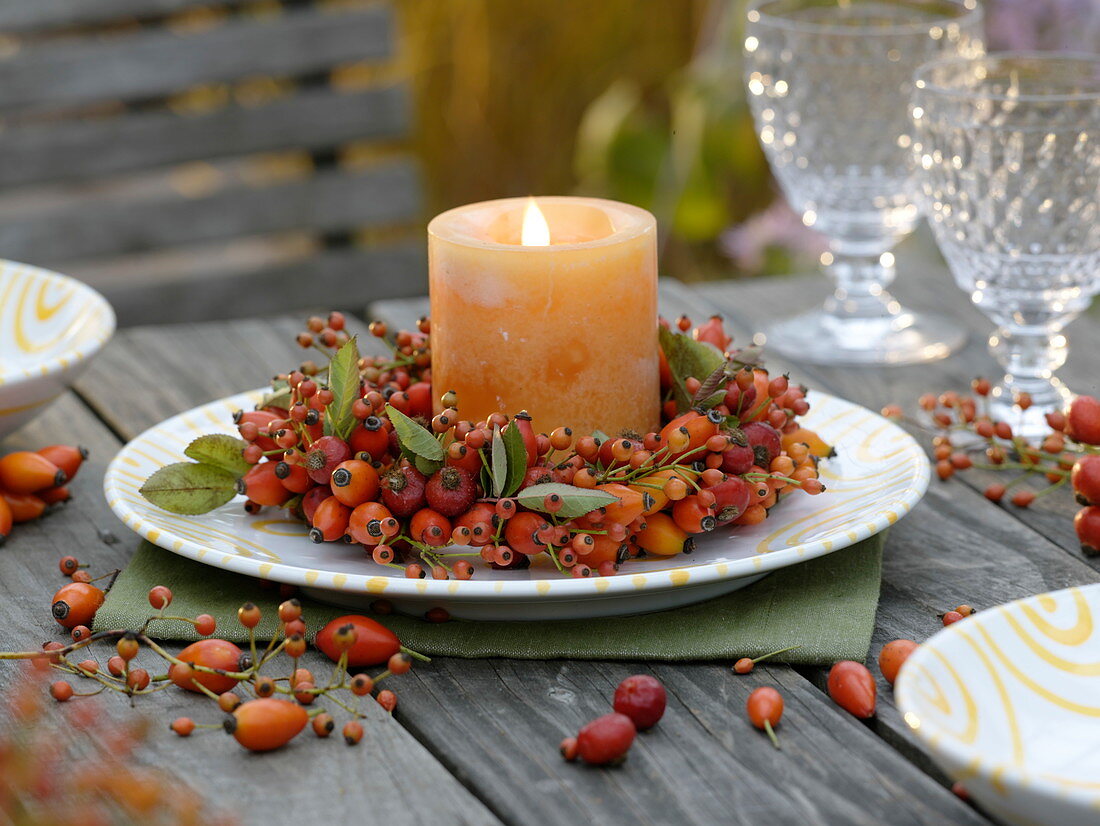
{"x":818,"y":337}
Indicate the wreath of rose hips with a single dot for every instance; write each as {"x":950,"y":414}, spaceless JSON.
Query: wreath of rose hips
{"x":354,"y":450}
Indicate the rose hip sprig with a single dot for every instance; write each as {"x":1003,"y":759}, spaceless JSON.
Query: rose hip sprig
{"x":220,"y":671}
{"x":965,"y":436}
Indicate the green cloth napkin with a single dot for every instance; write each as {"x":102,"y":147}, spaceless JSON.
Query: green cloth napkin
{"x":826,"y":606}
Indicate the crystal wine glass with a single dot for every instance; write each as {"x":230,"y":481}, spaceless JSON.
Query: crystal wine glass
{"x":829,"y":82}
{"x":1008,"y":148}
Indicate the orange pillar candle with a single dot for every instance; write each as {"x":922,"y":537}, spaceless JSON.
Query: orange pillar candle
{"x":548,"y":305}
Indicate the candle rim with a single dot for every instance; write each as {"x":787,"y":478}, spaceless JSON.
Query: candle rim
{"x":643,"y":223}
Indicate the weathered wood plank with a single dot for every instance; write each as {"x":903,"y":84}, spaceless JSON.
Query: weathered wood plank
{"x":340,"y":277}
{"x":31,"y":15}
{"x":101,"y":224}
{"x":389,"y":775}
{"x":496,"y":723}
{"x":311,"y":119}
{"x":155,"y":62}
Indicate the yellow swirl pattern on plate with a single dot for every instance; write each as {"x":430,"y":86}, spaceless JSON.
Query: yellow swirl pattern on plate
{"x":1009,"y":702}
{"x":50,"y":325}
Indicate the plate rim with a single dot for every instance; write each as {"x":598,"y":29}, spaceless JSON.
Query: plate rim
{"x":978,"y":761}
{"x":547,"y":589}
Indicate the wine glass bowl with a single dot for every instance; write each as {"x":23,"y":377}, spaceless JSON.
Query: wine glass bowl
{"x":1008,"y":150}
{"x":828,"y":83}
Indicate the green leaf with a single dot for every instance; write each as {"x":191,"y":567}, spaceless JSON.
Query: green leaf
{"x":575,"y":501}
{"x":343,"y":381}
{"x":220,"y":450}
{"x":190,"y":489}
{"x":414,"y":438}
{"x":426,"y":466}
{"x":688,"y":358}
{"x":279,"y":395}
{"x":712,"y":400}
{"x":500,"y":462}
{"x":516,"y":454}
{"x":485,"y":478}
{"x":600,"y":436}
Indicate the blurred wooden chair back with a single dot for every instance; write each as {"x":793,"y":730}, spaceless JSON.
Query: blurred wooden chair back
{"x":196,"y":161}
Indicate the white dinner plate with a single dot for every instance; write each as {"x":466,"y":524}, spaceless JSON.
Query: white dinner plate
{"x":878,"y":474}
{"x":1008,"y":703}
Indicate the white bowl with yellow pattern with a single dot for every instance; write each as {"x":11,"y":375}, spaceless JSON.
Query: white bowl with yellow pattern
{"x":879,"y":473}
{"x":1008,"y":703}
{"x":50,"y":328}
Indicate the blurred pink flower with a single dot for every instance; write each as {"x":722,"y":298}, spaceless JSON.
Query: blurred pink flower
{"x":1063,"y":25}
{"x":777,"y":226}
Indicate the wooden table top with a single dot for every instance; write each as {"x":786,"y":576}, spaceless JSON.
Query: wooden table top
{"x":475,"y":741}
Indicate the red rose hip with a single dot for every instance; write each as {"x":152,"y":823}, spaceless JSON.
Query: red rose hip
{"x":1087,"y":524}
{"x":853,"y":688}
{"x":1086,"y":479}
{"x":606,"y":740}
{"x":642,"y":698}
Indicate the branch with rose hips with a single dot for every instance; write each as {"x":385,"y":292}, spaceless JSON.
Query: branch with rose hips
{"x":80,"y":768}
{"x":356,"y":449}
{"x":218,"y":669}
{"x":966,"y":436}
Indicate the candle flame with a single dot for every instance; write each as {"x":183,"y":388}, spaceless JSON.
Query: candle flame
{"x":535,"y":232}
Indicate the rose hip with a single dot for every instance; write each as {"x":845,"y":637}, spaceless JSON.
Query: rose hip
{"x":403,"y":490}
{"x":853,"y":688}
{"x":765,"y":708}
{"x":1083,"y":420}
{"x":1087,"y":525}
{"x":765,"y":442}
{"x":642,"y":698}
{"x":893,"y":656}
{"x":1086,"y":479}
{"x":324,"y":456}
{"x":450,"y":491}
{"x":606,"y":740}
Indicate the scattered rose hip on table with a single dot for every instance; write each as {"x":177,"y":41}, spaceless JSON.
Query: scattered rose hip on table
{"x":853,"y":688}
{"x":76,"y":604}
{"x":266,"y":724}
{"x":893,"y":656}
{"x":373,"y":643}
{"x":606,"y":740}
{"x":220,"y":655}
{"x":642,"y":698}
{"x":746,"y":664}
{"x":765,"y":708}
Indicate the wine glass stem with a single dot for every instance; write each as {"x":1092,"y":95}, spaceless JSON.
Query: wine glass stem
{"x":860,"y":291}
{"x":1029,"y":357}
